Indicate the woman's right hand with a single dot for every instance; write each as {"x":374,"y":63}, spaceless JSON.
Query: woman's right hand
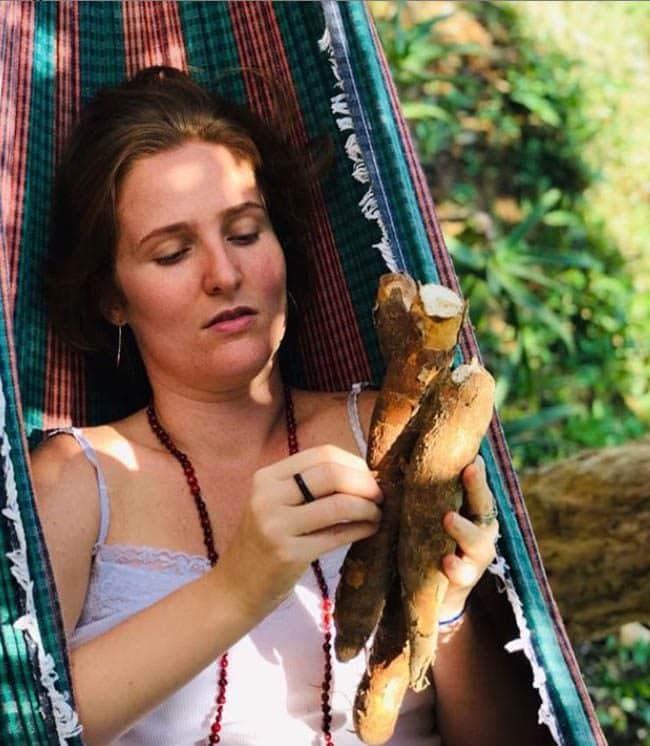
{"x":280,"y":534}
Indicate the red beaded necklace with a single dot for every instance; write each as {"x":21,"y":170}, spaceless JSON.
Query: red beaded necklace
{"x":208,"y":540}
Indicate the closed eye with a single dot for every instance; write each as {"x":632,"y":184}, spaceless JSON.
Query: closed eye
{"x":172,"y":258}
{"x":244,"y":239}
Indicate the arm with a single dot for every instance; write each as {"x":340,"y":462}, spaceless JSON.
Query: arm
{"x":482,"y":699}
{"x":484,"y":695}
{"x":121,"y":675}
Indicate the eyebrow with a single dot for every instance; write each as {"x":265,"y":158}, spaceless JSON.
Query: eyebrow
{"x":228,"y":214}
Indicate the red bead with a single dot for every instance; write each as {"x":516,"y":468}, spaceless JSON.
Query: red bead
{"x":215,"y":728}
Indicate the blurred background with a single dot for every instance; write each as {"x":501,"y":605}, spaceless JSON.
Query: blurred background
{"x":531,"y":123}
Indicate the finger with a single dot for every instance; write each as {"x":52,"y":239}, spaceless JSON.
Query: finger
{"x":328,"y":478}
{"x":461,"y":571}
{"x":319,"y":542}
{"x":477,"y":542}
{"x":332,"y":510}
{"x":479,"y":499}
{"x":302,"y":460}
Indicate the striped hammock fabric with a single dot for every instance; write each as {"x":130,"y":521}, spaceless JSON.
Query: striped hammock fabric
{"x":374,"y":214}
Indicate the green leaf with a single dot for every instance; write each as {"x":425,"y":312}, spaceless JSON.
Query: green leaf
{"x":547,"y":201}
{"x":533,"y":275}
{"x":538,"y":105}
{"x":527,"y":301}
{"x":543,"y":418}
{"x":560,"y":218}
{"x":580,"y":259}
{"x":424,"y":110}
{"x":466,"y":255}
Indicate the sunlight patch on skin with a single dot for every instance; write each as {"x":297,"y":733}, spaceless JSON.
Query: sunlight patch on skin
{"x":124,"y":452}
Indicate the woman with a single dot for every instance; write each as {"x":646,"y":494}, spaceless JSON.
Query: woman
{"x":166,"y":214}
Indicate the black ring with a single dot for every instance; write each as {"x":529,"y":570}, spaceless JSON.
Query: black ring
{"x":306,"y":492}
{"x":484,"y":519}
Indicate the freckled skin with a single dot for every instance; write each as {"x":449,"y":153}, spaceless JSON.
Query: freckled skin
{"x":176,"y":281}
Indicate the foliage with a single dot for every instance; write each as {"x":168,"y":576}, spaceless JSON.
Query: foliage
{"x":620,"y":688}
{"x":501,"y":127}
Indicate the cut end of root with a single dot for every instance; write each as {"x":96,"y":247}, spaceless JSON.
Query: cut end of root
{"x":399,"y":283}
{"x":440,"y":301}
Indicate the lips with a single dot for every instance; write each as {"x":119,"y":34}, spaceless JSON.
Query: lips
{"x":230,"y":314}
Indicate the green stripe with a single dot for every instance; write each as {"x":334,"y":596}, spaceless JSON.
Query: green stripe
{"x":210,"y":48}
{"x":101,"y":63}
{"x":16,"y":695}
{"x":301,"y":26}
{"x":31,"y":325}
{"x":21,"y":718}
{"x":377,"y":105}
{"x":30,"y":340}
{"x":30,"y":321}
{"x":101,"y":46}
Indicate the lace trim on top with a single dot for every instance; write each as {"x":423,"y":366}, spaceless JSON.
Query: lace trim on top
{"x":154,"y":558}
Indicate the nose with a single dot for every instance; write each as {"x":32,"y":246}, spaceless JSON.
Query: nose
{"x":221,"y":270}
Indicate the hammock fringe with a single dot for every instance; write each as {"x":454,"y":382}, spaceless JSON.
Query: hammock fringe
{"x":546,"y":714}
{"x":65,"y":717}
{"x":340,"y":108}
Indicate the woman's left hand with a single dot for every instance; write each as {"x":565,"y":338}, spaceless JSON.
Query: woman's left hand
{"x":476,"y":538}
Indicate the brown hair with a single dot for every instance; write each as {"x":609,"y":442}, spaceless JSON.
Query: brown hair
{"x":157,"y":110}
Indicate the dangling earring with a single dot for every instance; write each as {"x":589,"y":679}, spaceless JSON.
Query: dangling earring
{"x":118,"y":356}
{"x":292,"y":301}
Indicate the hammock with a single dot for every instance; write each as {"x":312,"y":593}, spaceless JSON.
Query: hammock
{"x":374,"y":215}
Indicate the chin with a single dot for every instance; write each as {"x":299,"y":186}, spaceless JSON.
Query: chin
{"x":238,"y":369}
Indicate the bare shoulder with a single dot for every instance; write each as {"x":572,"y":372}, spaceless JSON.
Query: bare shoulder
{"x":65,"y":490}
{"x":324,"y":416}
{"x":61,"y":459}
{"x":59,"y":462}
{"x":67,"y":500}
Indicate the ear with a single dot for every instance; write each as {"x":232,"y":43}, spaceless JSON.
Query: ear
{"x":113,"y":308}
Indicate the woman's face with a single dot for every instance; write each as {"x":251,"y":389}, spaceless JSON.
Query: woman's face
{"x":200,"y":269}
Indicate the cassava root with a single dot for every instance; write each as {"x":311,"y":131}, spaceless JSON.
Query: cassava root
{"x":418,"y":332}
{"x":457,"y":410}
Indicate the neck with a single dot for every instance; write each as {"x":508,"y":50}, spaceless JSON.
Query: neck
{"x":231,"y":423}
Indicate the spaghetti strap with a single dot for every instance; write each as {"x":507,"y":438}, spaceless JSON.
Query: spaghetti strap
{"x":353,"y":416}
{"x":91,"y":455}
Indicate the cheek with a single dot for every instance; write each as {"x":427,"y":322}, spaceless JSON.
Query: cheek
{"x":146,"y":301}
{"x":272,"y":276}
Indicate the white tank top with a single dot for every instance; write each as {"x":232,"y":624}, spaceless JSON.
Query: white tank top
{"x":275,"y":672}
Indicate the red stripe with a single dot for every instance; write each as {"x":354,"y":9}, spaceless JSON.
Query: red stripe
{"x":20,"y":24}
{"x":64,"y":372}
{"x":331,"y":344}
{"x":6,"y":119}
{"x":16,"y":70}
{"x":152,"y":35}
